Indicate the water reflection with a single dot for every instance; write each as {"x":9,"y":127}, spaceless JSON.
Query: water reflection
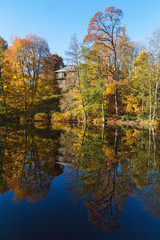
{"x":102,"y":168}
{"x":108,"y":170}
{"x":29,"y":163}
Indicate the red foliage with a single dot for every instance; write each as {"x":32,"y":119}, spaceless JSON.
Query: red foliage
{"x":103,"y":26}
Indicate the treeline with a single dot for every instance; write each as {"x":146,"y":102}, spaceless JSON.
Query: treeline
{"x":28,"y":81}
{"x":114,"y":75}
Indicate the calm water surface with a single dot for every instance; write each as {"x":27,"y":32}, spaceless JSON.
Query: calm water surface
{"x":65,"y":182}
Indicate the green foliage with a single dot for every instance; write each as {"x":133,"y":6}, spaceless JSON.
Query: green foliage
{"x":126,"y":117}
{"x":126,"y":128}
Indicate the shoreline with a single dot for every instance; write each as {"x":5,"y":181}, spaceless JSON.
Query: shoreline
{"x":133,"y":123}
{"x":110,"y":121}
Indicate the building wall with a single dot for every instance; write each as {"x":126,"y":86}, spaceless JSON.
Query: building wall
{"x":66,"y":77}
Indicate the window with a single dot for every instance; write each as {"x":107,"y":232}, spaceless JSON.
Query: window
{"x":60,"y":75}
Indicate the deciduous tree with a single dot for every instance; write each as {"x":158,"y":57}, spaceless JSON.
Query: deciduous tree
{"x":105,"y":29}
{"x":23,"y":67}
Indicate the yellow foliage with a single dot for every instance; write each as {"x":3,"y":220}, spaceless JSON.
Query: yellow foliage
{"x":109,"y":152}
{"x":41,"y":117}
{"x":59,"y":117}
{"x":131,"y":104}
{"x":110,"y":88}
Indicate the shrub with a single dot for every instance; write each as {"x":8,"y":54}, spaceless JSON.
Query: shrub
{"x":126,"y":128}
{"x":126,"y":118}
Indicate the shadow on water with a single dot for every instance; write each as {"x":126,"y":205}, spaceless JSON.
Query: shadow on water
{"x":103,"y":169}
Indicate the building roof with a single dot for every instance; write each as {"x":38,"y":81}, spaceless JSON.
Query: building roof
{"x":68,"y":68}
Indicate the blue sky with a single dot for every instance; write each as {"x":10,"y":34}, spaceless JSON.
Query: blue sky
{"x":58,"y":20}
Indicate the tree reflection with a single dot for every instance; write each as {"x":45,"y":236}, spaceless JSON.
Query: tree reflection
{"x":97,"y":178}
{"x":3,"y":183}
{"x":29,"y":164}
{"x":106,"y":172}
{"x":144,"y":168}
{"x":103,"y":168}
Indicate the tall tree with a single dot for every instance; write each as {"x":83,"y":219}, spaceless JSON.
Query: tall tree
{"x":154,"y":49}
{"x":73,"y":55}
{"x":104,"y":29}
{"x":93,"y":78}
{"x":23,"y":67}
{"x":142,"y":84}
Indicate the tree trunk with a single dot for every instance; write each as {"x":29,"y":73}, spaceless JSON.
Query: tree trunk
{"x":117,"y":101}
{"x":154,"y":146}
{"x":150,"y":102}
{"x":84,"y":131}
{"x":103,"y":112}
{"x":149,"y":148}
{"x":155,"y":101}
{"x":79,"y":84}
{"x":84,"y":112}
{"x":143,"y":103}
{"x":116,"y":140}
{"x":103,"y":130}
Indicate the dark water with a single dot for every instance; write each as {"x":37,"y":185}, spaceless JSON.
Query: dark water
{"x":67,"y":182}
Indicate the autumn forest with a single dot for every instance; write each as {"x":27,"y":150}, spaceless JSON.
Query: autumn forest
{"x":79,"y":135}
{"x":115,"y":76}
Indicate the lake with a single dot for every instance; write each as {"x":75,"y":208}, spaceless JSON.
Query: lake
{"x":70,"y":182}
